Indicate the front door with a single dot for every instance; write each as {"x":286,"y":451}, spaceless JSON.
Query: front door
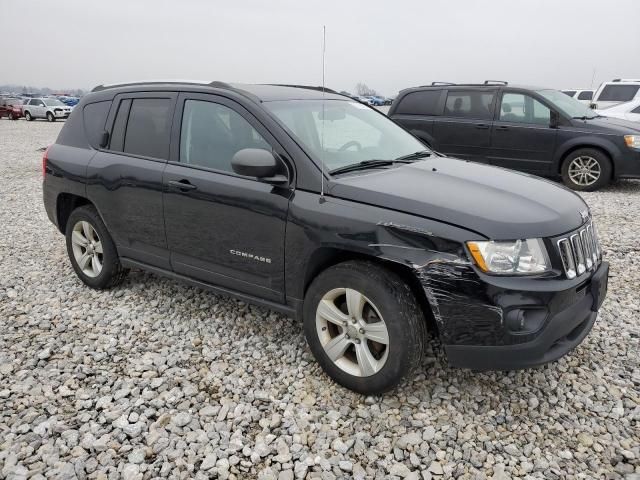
{"x":223,"y":228}
{"x":522,"y":138}
{"x":464,"y":129}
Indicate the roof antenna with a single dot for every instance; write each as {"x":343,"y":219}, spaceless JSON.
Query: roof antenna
{"x":324,"y":46}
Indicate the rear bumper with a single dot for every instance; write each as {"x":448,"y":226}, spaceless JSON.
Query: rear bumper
{"x":561,"y":333}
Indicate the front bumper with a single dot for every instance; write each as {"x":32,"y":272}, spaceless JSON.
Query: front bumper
{"x":567,"y":318}
{"x":627,"y":165}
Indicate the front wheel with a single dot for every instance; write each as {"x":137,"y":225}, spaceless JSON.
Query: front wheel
{"x":28,"y":116}
{"x":91,"y":250}
{"x":51,"y":117}
{"x":364,"y":326}
{"x":586,"y":170}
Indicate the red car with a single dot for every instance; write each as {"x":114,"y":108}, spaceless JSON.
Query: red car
{"x":11,"y":108}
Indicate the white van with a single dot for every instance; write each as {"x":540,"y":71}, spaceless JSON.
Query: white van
{"x":583,"y":96}
{"x":613,"y":93}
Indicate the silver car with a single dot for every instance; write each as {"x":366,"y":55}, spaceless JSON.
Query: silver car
{"x":50,"y":108}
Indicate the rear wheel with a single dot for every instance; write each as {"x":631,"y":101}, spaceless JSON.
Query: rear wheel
{"x":364,"y":326}
{"x":28,"y":116}
{"x":51,"y":117}
{"x":586,"y":169}
{"x":91,"y":250}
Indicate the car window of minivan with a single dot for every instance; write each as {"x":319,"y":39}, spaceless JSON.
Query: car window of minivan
{"x":521,"y":108}
{"x":469,"y":104}
{"x":211,"y":134}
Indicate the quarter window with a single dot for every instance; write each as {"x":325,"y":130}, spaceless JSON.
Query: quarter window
{"x":585,"y":95}
{"x":520,"y":108}
{"x":212,"y":133}
{"x":636,"y":110}
{"x":148,"y":128}
{"x":95,"y":118}
{"x":426,"y":102}
{"x":470,"y":104}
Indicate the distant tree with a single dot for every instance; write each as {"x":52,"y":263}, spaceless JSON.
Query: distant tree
{"x":364,"y":91}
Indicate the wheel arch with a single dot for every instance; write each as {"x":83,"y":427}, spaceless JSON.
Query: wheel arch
{"x":66,"y":203}
{"x":605,"y":150}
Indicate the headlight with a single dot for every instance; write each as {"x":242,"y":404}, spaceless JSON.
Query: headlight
{"x":632,"y":141}
{"x":519,"y":257}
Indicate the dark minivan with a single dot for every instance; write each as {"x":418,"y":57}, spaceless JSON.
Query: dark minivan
{"x":534,"y":130}
{"x":318,"y":206}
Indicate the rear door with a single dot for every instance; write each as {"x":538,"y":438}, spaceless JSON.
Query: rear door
{"x":464,"y":129}
{"x":522,"y":138}
{"x":125,"y":178}
{"x":223,"y":228}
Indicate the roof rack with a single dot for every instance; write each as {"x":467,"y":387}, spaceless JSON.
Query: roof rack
{"x":307,"y":87}
{"x":624,"y":80}
{"x":214,"y":83}
{"x":495,"y":82}
{"x":442,"y":83}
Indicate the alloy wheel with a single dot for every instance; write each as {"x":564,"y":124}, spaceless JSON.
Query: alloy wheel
{"x":352,"y":332}
{"x":87,"y":248}
{"x":584,"y":170}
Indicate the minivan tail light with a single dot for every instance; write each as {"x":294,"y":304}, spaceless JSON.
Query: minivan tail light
{"x":45,"y":159}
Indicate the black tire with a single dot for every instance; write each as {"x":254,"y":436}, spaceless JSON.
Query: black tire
{"x":603,"y":164}
{"x":28,"y":116}
{"x":51,"y":117}
{"x":404,"y":320}
{"x":112,"y":272}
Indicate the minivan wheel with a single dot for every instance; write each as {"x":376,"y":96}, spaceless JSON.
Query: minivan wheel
{"x":586,"y":170}
{"x":364,"y":326}
{"x":91,"y":250}
{"x":28,"y":116}
{"x":51,"y":117}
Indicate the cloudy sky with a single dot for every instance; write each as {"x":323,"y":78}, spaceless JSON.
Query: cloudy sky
{"x":388,"y":45}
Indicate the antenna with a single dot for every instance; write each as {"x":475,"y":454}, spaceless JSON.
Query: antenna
{"x":324,"y":47}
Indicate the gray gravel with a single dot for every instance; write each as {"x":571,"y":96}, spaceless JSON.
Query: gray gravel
{"x":157,"y":379}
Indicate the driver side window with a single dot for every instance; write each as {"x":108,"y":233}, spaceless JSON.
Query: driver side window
{"x":520,"y":108}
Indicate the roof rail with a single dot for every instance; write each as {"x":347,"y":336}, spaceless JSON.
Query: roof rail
{"x":442,"y":83}
{"x":495,"y":82}
{"x":161,"y":82}
{"x":307,"y":87}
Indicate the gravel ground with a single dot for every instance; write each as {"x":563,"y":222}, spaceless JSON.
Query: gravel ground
{"x":158,"y":379}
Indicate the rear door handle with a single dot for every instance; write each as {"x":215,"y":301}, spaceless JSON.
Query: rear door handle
{"x":182,"y":185}
{"x":482,"y":125}
{"x":502,"y":127}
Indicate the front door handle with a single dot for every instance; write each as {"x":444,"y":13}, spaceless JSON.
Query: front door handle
{"x":182,"y":185}
{"x":502,"y":127}
{"x":483,"y":126}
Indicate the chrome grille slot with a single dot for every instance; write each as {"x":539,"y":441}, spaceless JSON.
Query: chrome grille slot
{"x":580,"y":251}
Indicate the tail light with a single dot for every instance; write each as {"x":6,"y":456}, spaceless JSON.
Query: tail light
{"x":45,"y":158}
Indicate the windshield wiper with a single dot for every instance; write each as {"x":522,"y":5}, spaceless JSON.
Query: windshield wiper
{"x":365,"y":164}
{"x":416,"y":155}
{"x":584,"y":117}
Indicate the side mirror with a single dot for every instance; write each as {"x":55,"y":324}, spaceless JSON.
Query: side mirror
{"x":259,"y":163}
{"x":554,"y":119}
{"x":593,"y":106}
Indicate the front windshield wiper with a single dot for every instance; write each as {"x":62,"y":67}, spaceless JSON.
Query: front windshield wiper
{"x":584,"y":117}
{"x":365,"y":164}
{"x":416,"y":155}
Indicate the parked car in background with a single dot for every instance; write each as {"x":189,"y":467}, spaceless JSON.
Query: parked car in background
{"x":365,"y":237}
{"x":618,"y":91}
{"x":377,"y":101}
{"x":583,"y":96}
{"x":627,"y":111}
{"x":50,"y":108}
{"x":366,"y":100}
{"x":535,"y":130}
{"x":11,"y":107}
{"x":69,"y":101}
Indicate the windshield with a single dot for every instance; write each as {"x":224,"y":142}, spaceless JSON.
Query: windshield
{"x":52,"y":102}
{"x":567,"y":105}
{"x":347,"y":133}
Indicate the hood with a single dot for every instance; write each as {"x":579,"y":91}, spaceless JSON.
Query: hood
{"x":609,"y":125}
{"x":497,"y":203}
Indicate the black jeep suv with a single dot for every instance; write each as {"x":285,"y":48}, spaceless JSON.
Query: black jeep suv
{"x":316,"y":205}
{"x":535,"y":130}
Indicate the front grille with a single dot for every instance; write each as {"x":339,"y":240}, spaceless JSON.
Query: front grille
{"x":580,"y":251}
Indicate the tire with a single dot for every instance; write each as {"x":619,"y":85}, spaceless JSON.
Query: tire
{"x":586,"y":170}
{"x":51,"y":117}
{"x":28,"y":116}
{"x":387,"y":300}
{"x":104,"y":269}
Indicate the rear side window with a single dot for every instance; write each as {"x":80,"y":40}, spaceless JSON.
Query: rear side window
{"x":571,"y":93}
{"x":426,"y":102}
{"x":95,"y":119}
{"x":148,"y":128}
{"x":586,"y":95}
{"x":618,"y":93}
{"x":636,"y":110}
{"x":119,"y":125}
{"x":470,"y":104}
